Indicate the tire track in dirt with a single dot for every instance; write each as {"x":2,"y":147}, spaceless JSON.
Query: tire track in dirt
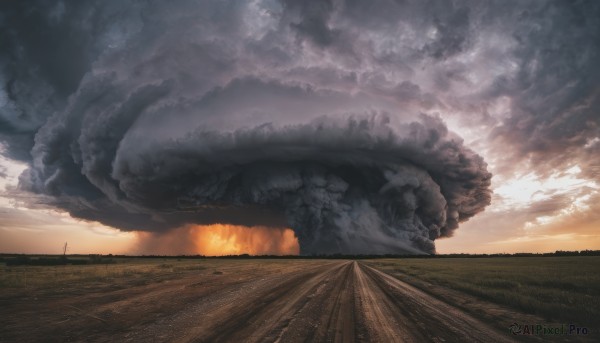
{"x":384,"y":322}
{"x":268,"y":312}
{"x":312,"y":301}
{"x":329,"y":315}
{"x":251,"y":311}
{"x":417,"y":316}
{"x":345,"y":302}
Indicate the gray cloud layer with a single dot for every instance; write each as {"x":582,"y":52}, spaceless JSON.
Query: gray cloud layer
{"x":146,"y":116}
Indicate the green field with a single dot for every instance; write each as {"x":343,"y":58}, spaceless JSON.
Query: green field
{"x":563,"y":289}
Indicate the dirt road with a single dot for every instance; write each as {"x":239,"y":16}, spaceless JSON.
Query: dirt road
{"x":325,"y":301}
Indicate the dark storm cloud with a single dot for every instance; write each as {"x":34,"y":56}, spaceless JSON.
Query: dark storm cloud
{"x":313,"y":17}
{"x":556,"y":93}
{"x":340,"y":184}
{"x":47,"y":47}
{"x":147,"y":115}
{"x":344,"y":185}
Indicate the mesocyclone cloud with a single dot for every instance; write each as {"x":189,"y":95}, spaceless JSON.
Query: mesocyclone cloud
{"x":346,"y":183}
{"x":351,"y":186}
{"x":327,"y":117}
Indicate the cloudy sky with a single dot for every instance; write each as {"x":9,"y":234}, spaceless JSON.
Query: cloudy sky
{"x":339,"y":126}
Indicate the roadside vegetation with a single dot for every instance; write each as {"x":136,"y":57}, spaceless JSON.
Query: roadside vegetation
{"x":119,"y":272}
{"x":564,"y":289}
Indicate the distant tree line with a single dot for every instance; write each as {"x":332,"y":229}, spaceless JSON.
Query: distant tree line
{"x":27,"y":260}
{"x":53,"y":260}
{"x":374,"y":256}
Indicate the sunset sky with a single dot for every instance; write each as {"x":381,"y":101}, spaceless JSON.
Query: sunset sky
{"x":274,"y":127}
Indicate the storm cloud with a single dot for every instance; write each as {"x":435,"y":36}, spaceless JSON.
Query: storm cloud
{"x":329,"y":117}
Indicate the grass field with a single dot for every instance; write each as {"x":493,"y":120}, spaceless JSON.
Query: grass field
{"x":565,"y":289}
{"x":124,"y":271}
{"x":560,"y":289}
{"x":164,"y":297}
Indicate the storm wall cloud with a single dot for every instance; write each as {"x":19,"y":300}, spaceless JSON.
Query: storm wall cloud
{"x":328,"y":117}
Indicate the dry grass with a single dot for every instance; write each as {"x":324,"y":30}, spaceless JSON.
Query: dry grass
{"x":566,"y":289}
{"x":124,"y":271}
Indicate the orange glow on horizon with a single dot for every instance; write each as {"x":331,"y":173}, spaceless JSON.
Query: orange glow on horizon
{"x":218,"y":240}
{"x":223,"y":239}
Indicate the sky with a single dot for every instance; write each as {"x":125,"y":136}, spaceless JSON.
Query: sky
{"x":285,"y":127}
